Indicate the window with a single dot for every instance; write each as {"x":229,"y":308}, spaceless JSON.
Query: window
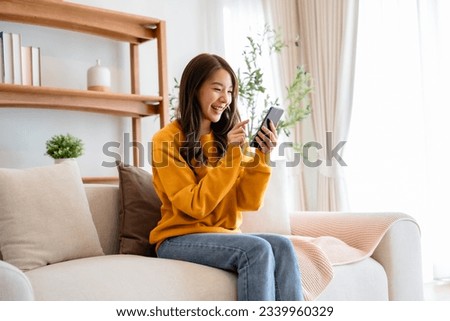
{"x":397,"y":148}
{"x":242,"y":19}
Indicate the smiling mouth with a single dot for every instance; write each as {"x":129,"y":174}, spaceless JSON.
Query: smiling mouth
{"x":219,"y":108}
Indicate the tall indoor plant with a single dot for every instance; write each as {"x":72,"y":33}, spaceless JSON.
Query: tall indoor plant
{"x":253,"y":92}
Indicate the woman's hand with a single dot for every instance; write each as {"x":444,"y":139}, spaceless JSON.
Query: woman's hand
{"x":267,"y":139}
{"x":237,"y":134}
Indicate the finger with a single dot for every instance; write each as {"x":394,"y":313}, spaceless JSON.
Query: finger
{"x":267,"y":131}
{"x":241,"y":124}
{"x":240,"y":131}
{"x":260,"y":139}
{"x":266,"y":134}
{"x":269,"y":139}
{"x":272,"y":139}
{"x":272,"y":132}
{"x":273,"y":128}
{"x":262,"y":144}
{"x":238,"y":138}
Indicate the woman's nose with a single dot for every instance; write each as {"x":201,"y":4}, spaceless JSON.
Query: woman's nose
{"x":225,"y":98}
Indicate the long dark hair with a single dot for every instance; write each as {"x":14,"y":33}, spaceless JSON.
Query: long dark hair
{"x":189,"y":113}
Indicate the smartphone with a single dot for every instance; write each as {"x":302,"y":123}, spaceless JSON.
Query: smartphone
{"x":273,"y":114}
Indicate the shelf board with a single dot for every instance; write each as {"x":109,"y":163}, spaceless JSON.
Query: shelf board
{"x":82,"y":100}
{"x":75,"y":17}
{"x":114,"y":180}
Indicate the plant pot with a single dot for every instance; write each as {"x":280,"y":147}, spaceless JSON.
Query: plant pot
{"x":61,"y":160}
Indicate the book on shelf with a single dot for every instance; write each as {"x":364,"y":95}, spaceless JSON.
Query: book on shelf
{"x":19,"y":65}
{"x":7,"y":54}
{"x":35,"y":66}
{"x":26,"y":66}
{"x":2,"y":64}
{"x":16,"y":40}
{"x":1,"y":58}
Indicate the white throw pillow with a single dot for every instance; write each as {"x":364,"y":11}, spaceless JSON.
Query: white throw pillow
{"x":273,"y":216}
{"x":45,"y":216}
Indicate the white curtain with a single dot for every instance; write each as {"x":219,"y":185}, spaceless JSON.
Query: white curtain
{"x":283,"y":17}
{"x":240,"y":19}
{"x":229,"y":23}
{"x":397,"y":148}
{"x":326,"y":33}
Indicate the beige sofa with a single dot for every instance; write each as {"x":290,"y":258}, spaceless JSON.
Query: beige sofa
{"x":392,"y":272}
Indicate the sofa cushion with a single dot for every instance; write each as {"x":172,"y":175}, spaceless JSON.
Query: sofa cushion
{"x":140,"y":210}
{"x":45,"y":216}
{"x":131,"y":277}
{"x":104,"y":204}
{"x":273,"y":216}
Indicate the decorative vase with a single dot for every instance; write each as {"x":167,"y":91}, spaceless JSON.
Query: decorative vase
{"x":98,"y":78}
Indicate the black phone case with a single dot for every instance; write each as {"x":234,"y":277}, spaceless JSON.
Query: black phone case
{"x":274,"y":114}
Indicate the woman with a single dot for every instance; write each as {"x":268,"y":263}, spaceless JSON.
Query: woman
{"x":204,"y":182}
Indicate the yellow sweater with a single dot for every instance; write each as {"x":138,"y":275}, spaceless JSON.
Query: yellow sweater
{"x":209,"y":198}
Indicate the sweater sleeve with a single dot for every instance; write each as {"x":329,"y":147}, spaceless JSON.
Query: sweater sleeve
{"x":195,"y":198}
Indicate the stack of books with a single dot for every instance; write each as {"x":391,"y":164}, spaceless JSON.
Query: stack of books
{"x":19,"y":65}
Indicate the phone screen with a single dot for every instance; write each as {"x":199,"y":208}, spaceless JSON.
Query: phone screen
{"x":274,"y":114}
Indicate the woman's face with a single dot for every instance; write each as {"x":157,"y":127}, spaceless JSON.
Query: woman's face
{"x":214,"y":96}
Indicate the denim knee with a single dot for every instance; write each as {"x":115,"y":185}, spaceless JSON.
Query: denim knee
{"x":278,"y":242}
{"x":284,"y":244}
{"x":261,"y":251}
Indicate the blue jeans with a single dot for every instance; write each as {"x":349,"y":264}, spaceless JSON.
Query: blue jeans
{"x":266,"y":264}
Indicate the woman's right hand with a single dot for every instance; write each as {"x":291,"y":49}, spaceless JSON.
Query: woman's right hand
{"x":237,"y":134}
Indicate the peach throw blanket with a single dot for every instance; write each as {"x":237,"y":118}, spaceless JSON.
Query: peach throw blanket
{"x":318,"y":241}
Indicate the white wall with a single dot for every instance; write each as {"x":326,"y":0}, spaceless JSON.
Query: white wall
{"x":66,"y":56}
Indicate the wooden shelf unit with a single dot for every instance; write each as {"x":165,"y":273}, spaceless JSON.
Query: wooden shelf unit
{"x":118,"y":26}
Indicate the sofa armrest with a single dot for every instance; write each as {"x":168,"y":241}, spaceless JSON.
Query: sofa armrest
{"x":14,"y":284}
{"x":399,"y":252}
{"x":392,"y":239}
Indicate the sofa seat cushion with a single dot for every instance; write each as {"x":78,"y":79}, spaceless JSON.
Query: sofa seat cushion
{"x":131,"y":277}
{"x":364,"y":280}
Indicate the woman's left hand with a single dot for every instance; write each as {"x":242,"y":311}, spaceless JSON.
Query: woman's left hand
{"x":267,"y":138}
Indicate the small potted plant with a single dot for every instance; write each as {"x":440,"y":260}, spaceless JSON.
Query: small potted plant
{"x":62,"y":147}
